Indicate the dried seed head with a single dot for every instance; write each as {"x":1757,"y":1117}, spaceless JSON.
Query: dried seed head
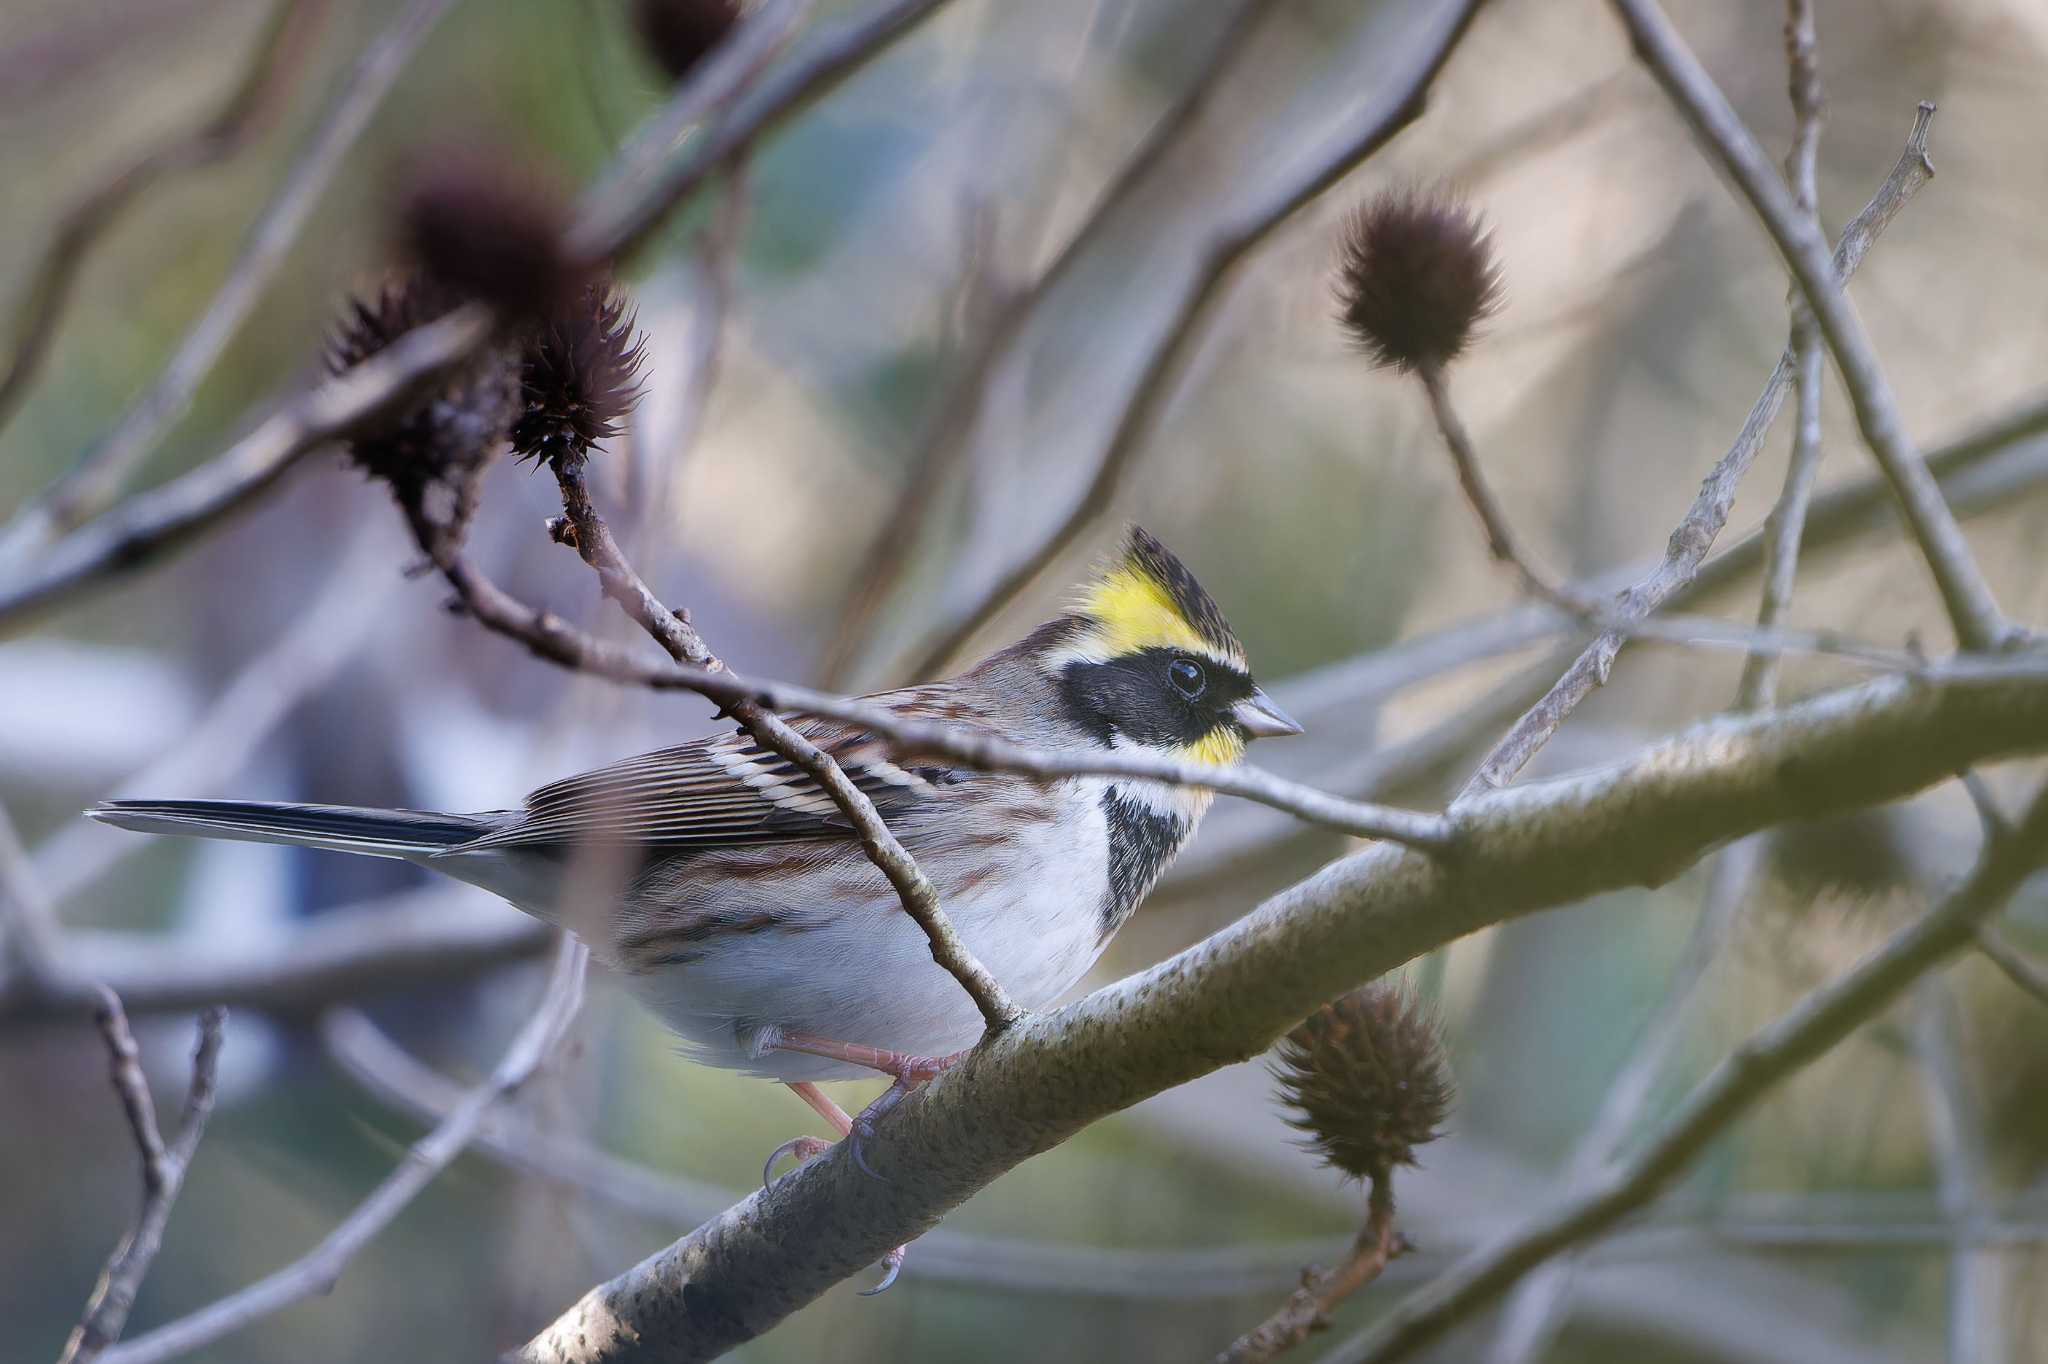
{"x":489,"y":228}
{"x":1366,"y":1078}
{"x":579,"y":376}
{"x":680,"y":33}
{"x":1415,"y":276}
{"x":433,"y":452}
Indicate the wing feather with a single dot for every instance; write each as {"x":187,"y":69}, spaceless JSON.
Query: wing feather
{"x":713,"y":792}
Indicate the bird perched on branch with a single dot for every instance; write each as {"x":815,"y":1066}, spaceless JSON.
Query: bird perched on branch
{"x":729,"y":893}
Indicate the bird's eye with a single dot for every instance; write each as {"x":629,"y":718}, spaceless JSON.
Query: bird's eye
{"x":1187,"y":677}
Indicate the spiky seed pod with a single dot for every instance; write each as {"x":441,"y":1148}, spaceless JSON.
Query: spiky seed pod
{"x":433,"y":452}
{"x":1366,"y":1078}
{"x":579,"y":375}
{"x":680,"y":33}
{"x":1415,"y":277}
{"x":489,"y":228}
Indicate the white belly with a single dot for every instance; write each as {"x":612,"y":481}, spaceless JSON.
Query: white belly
{"x":849,"y":965}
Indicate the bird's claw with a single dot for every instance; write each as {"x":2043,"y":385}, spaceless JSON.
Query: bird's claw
{"x":803,"y":1148}
{"x":892,"y":1265}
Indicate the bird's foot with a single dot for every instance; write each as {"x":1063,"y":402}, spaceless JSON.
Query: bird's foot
{"x":803,"y":1148}
{"x":806,"y":1147}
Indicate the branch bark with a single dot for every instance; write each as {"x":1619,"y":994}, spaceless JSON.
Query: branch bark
{"x":1796,"y":1039}
{"x":1228,"y":997}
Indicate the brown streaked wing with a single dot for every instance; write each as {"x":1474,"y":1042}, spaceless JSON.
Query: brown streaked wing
{"x":708,"y":793}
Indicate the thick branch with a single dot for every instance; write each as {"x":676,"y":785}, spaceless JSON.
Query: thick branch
{"x":163,"y":1170}
{"x":1974,"y":613}
{"x":1807,"y":1032}
{"x":1228,"y":997}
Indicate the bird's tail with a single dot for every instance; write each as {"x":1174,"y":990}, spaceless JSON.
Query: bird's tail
{"x":409,"y":834}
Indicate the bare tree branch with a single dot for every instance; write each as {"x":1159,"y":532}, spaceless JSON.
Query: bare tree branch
{"x":1379,"y":119}
{"x":1535,"y":1313}
{"x":889,"y":554}
{"x":2018,"y":967}
{"x":1034,"y":1085}
{"x":97,"y":478}
{"x":1750,"y":1073}
{"x":146,"y":526}
{"x":1787,"y":523}
{"x":347,"y":954}
{"x":1308,"y":1308}
{"x":156,"y":521}
{"x":223,"y":739}
{"x":287,"y":38}
{"x":1705,"y":518}
{"x":1978,"y":1275}
{"x":319,"y":1270}
{"x":1972,"y":610}
{"x":163,"y":1171}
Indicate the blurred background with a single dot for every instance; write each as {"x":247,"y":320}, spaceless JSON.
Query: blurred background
{"x":811,"y":324}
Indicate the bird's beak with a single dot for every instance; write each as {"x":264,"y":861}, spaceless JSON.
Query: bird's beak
{"x":1261,"y":718}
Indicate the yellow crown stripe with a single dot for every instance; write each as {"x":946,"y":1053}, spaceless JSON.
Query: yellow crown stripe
{"x":1134,"y":612}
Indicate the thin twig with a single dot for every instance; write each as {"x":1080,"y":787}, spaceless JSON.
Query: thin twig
{"x":163,"y":1171}
{"x":1704,"y":519}
{"x":97,"y":478}
{"x":889,"y":554}
{"x":1493,"y":522}
{"x":2019,"y":968}
{"x":29,"y":936}
{"x":585,"y":531}
{"x":1787,"y":523}
{"x":550,"y":637}
{"x":1972,"y":610}
{"x":1535,"y":1313}
{"x":1752,"y":1072}
{"x":1385,"y":115}
{"x":1955,"y":1138}
{"x":321,"y":1268}
{"x":158,"y":520}
{"x":286,"y":39}
{"x":1308,"y":1308}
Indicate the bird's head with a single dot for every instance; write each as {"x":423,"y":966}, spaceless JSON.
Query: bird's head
{"x":1146,"y":659}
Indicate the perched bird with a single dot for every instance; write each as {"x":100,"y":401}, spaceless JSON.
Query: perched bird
{"x":728,"y":892}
